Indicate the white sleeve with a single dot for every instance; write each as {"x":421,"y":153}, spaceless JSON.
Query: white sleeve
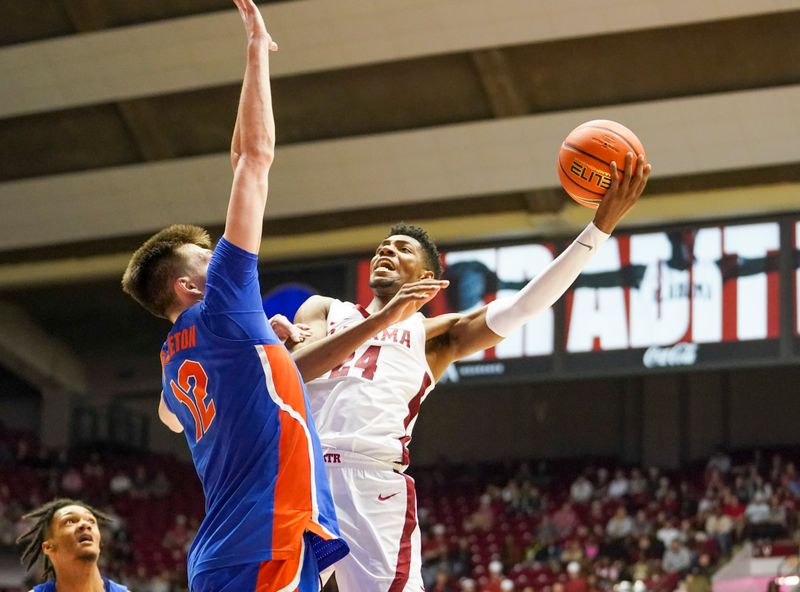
{"x":504,"y":315}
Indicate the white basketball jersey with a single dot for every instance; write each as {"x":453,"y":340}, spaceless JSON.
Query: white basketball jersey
{"x":369,"y":404}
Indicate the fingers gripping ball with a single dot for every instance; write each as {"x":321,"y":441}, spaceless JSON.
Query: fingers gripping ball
{"x":584,"y":159}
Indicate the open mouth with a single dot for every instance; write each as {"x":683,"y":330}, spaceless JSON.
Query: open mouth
{"x":384,"y":265}
{"x":85,"y":538}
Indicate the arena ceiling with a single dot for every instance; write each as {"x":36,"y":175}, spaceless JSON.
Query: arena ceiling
{"x":115,"y":120}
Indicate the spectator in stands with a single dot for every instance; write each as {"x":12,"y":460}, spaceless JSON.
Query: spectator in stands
{"x":576,"y":581}
{"x":160,"y":487}
{"x":637,"y":484}
{"x":434,"y":554}
{"x":677,"y":558}
{"x":719,"y":527}
{"x":72,"y":482}
{"x":531,"y":501}
{"x":442,"y":582}
{"x":513,"y":552}
{"x":141,"y":483}
{"x":789,"y":479}
{"x":459,"y":559}
{"x":719,"y":461}
{"x":93,"y":472}
{"x":756,"y":514}
{"x":120,"y":483}
{"x":618,"y":487}
{"x":669,"y":531}
{"x":512,"y":495}
{"x":6,"y":527}
{"x":178,"y":534}
{"x":642,"y":525}
{"x":572,"y":552}
{"x":620,"y":525}
{"x":777,"y":520}
{"x":565,"y":520}
{"x":581,"y":490}
{"x":467,"y":585}
{"x":735,"y":510}
{"x":495,"y":578}
{"x":601,"y":486}
{"x":483,"y":517}
{"x":161,"y":582}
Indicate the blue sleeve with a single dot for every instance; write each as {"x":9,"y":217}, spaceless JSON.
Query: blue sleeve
{"x":232,"y":306}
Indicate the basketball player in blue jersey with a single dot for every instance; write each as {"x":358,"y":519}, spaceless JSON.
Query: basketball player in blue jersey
{"x":65,"y":535}
{"x":369,"y":370}
{"x":230,"y":384}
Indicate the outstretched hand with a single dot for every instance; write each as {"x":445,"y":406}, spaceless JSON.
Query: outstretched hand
{"x":624,"y":192}
{"x":254,"y":22}
{"x":410,"y":298}
{"x":284,"y":329}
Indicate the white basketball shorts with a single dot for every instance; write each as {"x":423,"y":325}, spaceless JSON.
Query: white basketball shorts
{"x":377,"y":511}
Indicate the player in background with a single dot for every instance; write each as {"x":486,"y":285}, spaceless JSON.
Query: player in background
{"x":65,"y":535}
{"x":230,"y":384}
{"x":368,"y":370}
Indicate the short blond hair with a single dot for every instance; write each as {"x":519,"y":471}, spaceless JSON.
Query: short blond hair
{"x":156,"y":264}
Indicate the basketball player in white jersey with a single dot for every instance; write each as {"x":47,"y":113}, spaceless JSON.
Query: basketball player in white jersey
{"x":368,"y":370}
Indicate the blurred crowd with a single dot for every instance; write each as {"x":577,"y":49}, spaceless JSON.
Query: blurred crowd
{"x":573,"y":527}
{"x":597,"y":528}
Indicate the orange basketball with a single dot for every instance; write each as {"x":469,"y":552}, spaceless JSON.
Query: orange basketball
{"x":584,"y":161}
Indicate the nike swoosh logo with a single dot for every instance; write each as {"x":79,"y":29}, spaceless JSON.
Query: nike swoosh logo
{"x":383,"y":498}
{"x":584,"y":245}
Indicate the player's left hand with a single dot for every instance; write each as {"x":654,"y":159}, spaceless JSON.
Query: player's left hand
{"x":624,"y":192}
{"x":254,"y":23}
{"x":284,"y":329}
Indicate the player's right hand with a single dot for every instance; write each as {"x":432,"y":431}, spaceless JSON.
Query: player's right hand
{"x":410,"y":298}
{"x":626,"y":188}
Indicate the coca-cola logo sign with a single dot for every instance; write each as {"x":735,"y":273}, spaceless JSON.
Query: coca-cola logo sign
{"x":680,"y":354}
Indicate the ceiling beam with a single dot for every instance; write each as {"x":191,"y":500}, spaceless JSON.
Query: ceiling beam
{"x":86,"y":16}
{"x":506,"y":100}
{"x":687,"y":136}
{"x":27,"y":350}
{"x":314,"y":35}
{"x":137,"y":116}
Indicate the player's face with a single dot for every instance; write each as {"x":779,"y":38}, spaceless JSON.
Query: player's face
{"x":73,"y":535}
{"x":397,"y":261}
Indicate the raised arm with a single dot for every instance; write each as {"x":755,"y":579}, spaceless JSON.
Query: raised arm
{"x":253,"y":144}
{"x":492,"y":323}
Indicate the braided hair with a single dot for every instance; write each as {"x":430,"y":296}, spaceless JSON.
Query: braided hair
{"x":42,"y":517}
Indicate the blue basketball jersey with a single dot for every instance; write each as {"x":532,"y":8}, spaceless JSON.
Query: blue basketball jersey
{"x":108,"y":586}
{"x":240,"y":398}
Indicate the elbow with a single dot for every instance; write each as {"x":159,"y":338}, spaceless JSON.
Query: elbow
{"x":260,"y":157}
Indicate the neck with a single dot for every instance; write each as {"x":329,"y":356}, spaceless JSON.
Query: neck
{"x":378,"y":302}
{"x":175,"y":313}
{"x":79,"y":576}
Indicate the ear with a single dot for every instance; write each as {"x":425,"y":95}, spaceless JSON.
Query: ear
{"x":47,"y":547}
{"x":427,"y":274}
{"x":186,"y":289}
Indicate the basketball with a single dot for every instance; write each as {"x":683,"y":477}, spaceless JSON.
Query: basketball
{"x":584,"y":160}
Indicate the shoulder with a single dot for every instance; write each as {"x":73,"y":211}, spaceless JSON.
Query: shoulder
{"x":315,"y":307}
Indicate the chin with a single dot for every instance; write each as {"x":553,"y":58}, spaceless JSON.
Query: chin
{"x":89,"y":555}
{"x":381,"y":283}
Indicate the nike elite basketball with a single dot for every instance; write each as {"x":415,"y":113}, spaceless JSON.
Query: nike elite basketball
{"x":584,"y":159}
